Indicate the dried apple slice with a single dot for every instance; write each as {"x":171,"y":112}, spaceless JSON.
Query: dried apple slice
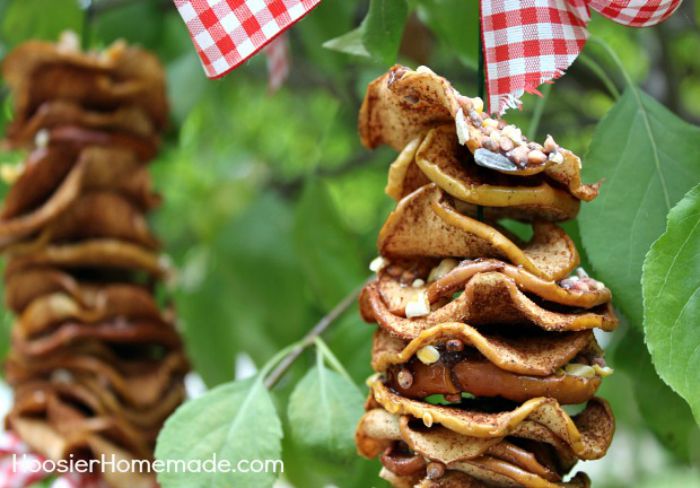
{"x":55,"y":177}
{"x":488,"y":298}
{"x":140,"y":383}
{"x":490,"y":460}
{"x":105,"y":253}
{"x":98,"y":304}
{"x":404,"y":104}
{"x":532,"y":354}
{"x":136,"y":334}
{"x":588,"y":434}
{"x":453,"y":358}
{"x":443,"y":161}
{"x":426,"y":223}
{"x":97,"y":214}
{"x":120,"y":75}
{"x":55,"y":113}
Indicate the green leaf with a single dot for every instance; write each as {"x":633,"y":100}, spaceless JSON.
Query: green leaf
{"x":118,"y":23}
{"x":383,"y":28}
{"x":664,"y":412}
{"x":327,"y":251}
{"x":456,"y":25}
{"x":379,"y":34}
{"x":248,"y":255}
{"x":648,"y":158}
{"x":236,"y":421}
{"x":38,"y":19}
{"x":673,"y":478}
{"x":349,"y":43}
{"x":324,"y":409}
{"x":671,"y":285}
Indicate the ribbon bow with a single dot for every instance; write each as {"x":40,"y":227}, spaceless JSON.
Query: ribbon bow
{"x":530,"y":42}
{"x":525,"y":42}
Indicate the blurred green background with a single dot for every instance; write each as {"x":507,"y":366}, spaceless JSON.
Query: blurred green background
{"x":272,"y":206}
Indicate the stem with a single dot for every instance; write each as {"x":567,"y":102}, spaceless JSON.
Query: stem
{"x":538,"y":111}
{"x":88,"y":16}
{"x":321,"y":326}
{"x":480,"y":72}
{"x":276,"y":359}
{"x":597,"y":70}
{"x":615,"y":58}
{"x":481,"y":83}
{"x":326,"y":352}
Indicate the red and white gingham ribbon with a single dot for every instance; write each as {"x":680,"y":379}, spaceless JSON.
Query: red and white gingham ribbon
{"x":525,"y":42}
{"x":277,"y":54}
{"x":530,"y":42}
{"x":228,"y":32}
{"x":18,"y":475}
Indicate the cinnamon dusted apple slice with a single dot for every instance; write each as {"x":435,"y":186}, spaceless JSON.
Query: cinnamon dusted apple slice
{"x":482,"y":292}
{"x":588,"y":434}
{"x":458,"y":479}
{"x":531,"y":354}
{"x":533,"y":460}
{"x":97,"y":304}
{"x":98,"y":214}
{"x":138,"y":382}
{"x":451,"y":479}
{"x":39,"y":401}
{"x":119,"y":75}
{"x":130,"y":119}
{"x":426,"y":223}
{"x":439,"y":158}
{"x":80,"y":138}
{"x":139,"y":335}
{"x":105,"y":253}
{"x":404,"y":104}
{"x":55,"y":177}
{"x":103,"y":401}
{"x":46,"y":440}
{"x":23,"y":287}
{"x":451,"y":359}
{"x":400,"y":281}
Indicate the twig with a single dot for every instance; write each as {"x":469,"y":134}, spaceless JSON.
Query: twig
{"x":537,"y":112}
{"x":310,"y":337}
{"x":88,"y":16}
{"x":597,"y":70}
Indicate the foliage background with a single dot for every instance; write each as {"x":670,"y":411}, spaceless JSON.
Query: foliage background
{"x":272,"y":206}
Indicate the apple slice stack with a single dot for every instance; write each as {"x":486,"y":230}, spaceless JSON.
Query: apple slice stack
{"x":487,"y":365}
{"x":96,"y":363}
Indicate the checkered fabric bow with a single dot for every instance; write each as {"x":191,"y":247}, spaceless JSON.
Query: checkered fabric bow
{"x":525,"y":42}
{"x":228,"y":32}
{"x":530,"y":42}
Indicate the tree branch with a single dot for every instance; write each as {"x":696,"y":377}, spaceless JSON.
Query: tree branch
{"x":318,"y":329}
